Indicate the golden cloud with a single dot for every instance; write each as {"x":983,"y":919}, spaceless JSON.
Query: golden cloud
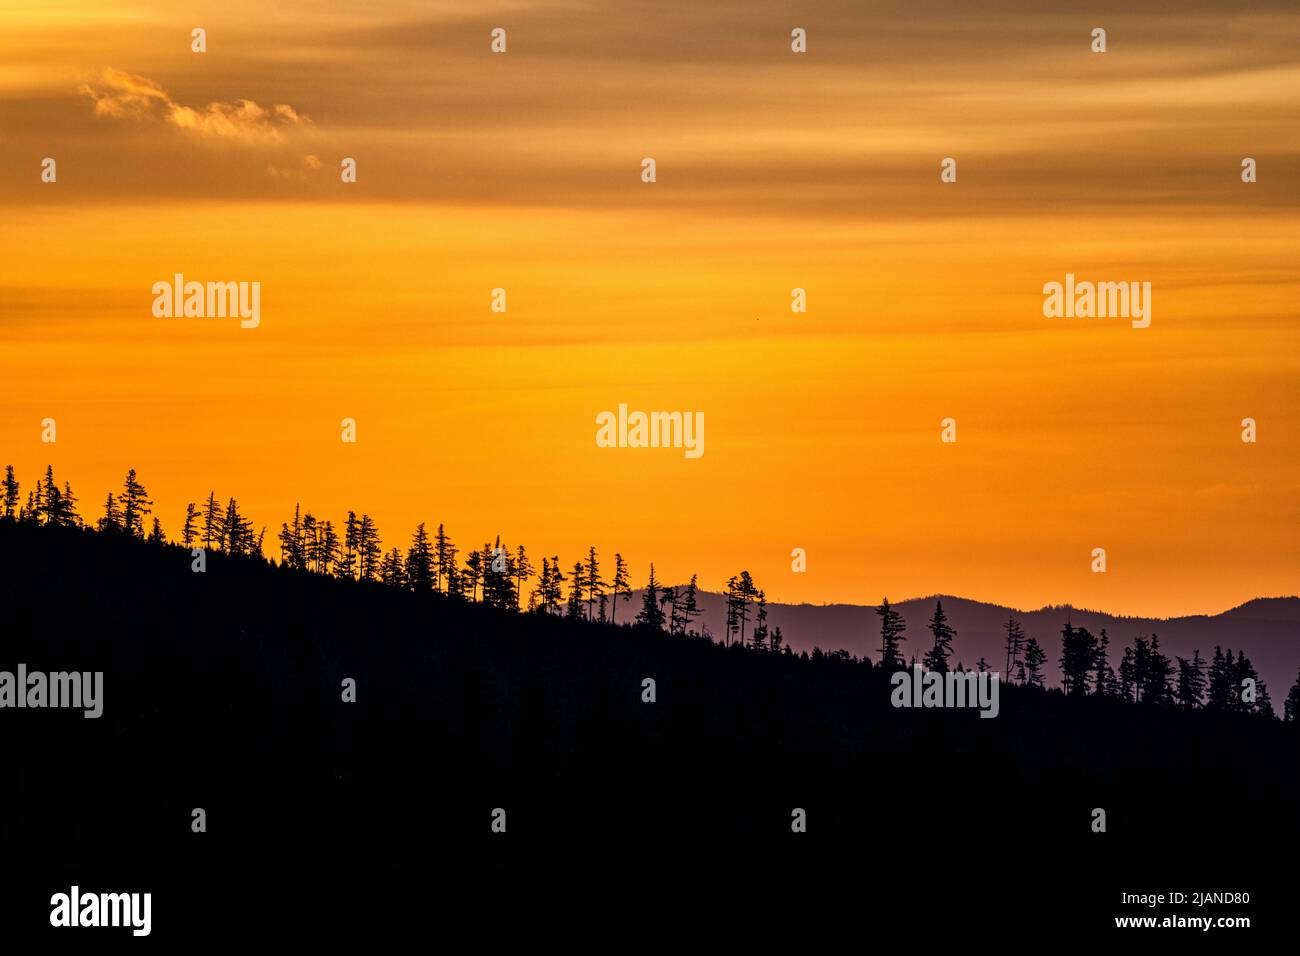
{"x":121,"y":95}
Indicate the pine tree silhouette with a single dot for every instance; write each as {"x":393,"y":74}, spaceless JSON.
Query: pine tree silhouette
{"x":936,"y":659}
{"x":652,"y":614}
{"x":892,"y":627}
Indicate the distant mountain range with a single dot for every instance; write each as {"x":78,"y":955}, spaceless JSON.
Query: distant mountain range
{"x":1267,"y":629}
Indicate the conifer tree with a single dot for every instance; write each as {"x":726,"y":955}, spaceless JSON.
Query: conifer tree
{"x":213,"y":517}
{"x":523,"y":570}
{"x":936,"y":659}
{"x":1078,"y":658}
{"x":1291,"y":706}
{"x":1190,"y":688}
{"x":10,"y":487}
{"x":49,"y":498}
{"x":593,"y":582}
{"x":444,"y":558}
{"x":1103,"y":681}
{"x":472,"y":573}
{"x":733,"y":609}
{"x":135,"y":505}
{"x":892,"y":627}
{"x":746,"y":591}
{"x":419,"y":562}
{"x":369,"y":549}
{"x":190,"y":530}
{"x":1015,"y":643}
{"x":621,"y":586}
{"x":652,"y":614}
{"x":690,"y":608}
{"x":1035,"y":658}
{"x":555,"y":594}
{"x":292,"y":550}
{"x":68,"y":507}
{"x":1219,"y":695}
{"x":392,"y":572}
{"x":112,"y":520}
{"x":1242,"y":671}
{"x":760,"y":622}
{"x":575,"y":592}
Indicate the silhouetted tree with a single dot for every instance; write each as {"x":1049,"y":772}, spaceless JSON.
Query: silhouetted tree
{"x":47,"y":505}
{"x":1103,"y":681}
{"x":733,"y":608}
{"x":1219,"y":692}
{"x":135,"y":505}
{"x":547,"y":594}
{"x":236,"y":536}
{"x":1035,"y":658}
{"x":760,"y":622}
{"x":592,"y":581}
{"x":156,"y":535}
{"x":575,"y":592}
{"x":327,"y":549}
{"x":1264,"y":703}
{"x":523,"y":570}
{"x":498,"y":577}
{"x":1156,"y":674}
{"x":1078,"y":658}
{"x":10,"y":486}
{"x":112,"y":520}
{"x":444,"y":553}
{"x":1191,"y":682}
{"x":471,"y":573}
{"x":212,"y":518}
{"x":1127,"y":675}
{"x":746,"y":591}
{"x":419,"y":562}
{"x":892,"y":627}
{"x":369,"y":549}
{"x":1242,"y":671}
{"x":652,"y":614}
{"x":1015,"y":643}
{"x":689,"y":608}
{"x":190,"y":530}
{"x":392,"y":572}
{"x":1291,"y":706}
{"x":293,"y":554}
{"x":936,"y":658}
{"x":620,"y":585}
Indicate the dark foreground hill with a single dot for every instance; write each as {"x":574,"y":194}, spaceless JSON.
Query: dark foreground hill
{"x":222,"y":690}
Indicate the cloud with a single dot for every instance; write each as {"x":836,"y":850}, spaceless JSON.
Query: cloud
{"x":121,"y":95}
{"x":309,"y":163}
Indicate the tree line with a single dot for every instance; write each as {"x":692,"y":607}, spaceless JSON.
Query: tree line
{"x":497,"y":576}
{"x":1145,"y":675}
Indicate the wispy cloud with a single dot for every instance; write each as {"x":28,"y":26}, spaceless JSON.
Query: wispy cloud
{"x":121,"y":95}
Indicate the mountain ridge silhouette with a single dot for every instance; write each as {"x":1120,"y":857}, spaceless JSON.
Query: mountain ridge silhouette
{"x":1266,"y":628}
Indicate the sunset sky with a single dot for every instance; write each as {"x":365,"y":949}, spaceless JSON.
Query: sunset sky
{"x":775,"y":170}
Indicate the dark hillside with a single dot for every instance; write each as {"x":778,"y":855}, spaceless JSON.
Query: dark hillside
{"x":222,"y":691}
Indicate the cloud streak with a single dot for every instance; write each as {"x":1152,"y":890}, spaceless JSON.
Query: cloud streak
{"x":117,"y":94}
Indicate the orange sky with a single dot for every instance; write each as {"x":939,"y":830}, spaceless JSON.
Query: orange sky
{"x":775,"y":171}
